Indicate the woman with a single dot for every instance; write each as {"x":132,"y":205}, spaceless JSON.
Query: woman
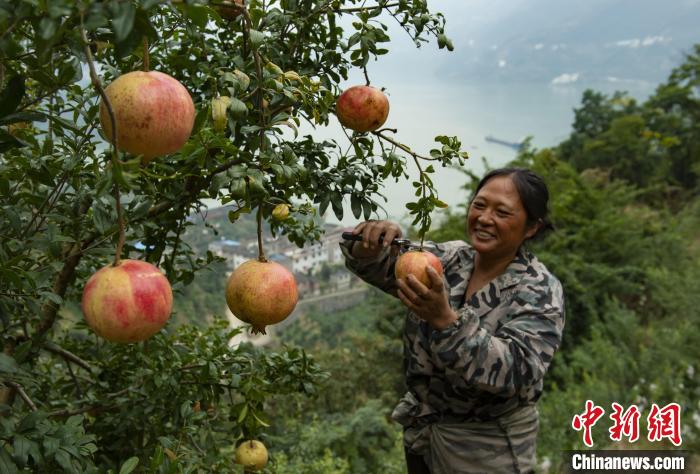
{"x":479,"y":339}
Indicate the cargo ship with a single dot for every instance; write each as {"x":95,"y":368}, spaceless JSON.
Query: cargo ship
{"x":514,"y":145}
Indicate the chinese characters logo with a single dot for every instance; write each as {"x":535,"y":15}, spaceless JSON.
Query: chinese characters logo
{"x":662,"y":423}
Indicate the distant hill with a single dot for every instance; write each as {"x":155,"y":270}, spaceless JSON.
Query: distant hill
{"x":213,"y":224}
{"x":557,"y":41}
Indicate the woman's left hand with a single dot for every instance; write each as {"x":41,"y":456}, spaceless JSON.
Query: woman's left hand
{"x":429,"y":304}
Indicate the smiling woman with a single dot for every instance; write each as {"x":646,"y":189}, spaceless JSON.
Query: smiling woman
{"x":478,"y":340}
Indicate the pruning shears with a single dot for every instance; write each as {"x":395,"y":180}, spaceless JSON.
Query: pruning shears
{"x":403,"y":243}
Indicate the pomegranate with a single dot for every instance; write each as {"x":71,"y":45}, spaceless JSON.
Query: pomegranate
{"x":153,"y":111}
{"x":127,"y":303}
{"x":261,"y":293}
{"x":362,"y":108}
{"x":280,"y":212}
{"x":252,"y":454}
{"x":416,"y":262}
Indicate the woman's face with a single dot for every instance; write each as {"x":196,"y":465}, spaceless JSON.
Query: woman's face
{"x":497,"y":220}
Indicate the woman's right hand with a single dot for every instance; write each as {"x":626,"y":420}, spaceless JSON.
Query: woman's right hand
{"x":371,"y":231}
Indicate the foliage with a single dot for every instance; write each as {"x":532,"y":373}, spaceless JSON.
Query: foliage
{"x":348,"y":420}
{"x":654,"y":145}
{"x":177,"y":400}
{"x":279,"y":62}
{"x":194,"y":303}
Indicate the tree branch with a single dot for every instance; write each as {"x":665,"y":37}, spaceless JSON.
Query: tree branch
{"x":69,"y":356}
{"x":18,"y":388}
{"x":415,"y":155}
{"x":362,"y":9}
{"x":90,"y":406}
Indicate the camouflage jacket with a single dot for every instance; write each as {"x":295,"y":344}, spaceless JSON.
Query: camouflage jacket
{"x":492,"y":360}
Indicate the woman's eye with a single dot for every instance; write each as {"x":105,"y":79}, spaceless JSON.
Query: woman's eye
{"x":502,"y":214}
{"x":478,"y":205}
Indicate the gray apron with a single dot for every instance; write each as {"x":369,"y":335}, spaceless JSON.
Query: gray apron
{"x":505,"y":445}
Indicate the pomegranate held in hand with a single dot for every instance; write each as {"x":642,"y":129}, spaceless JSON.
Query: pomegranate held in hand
{"x":153,"y":111}
{"x":261,"y":293}
{"x":362,"y":108}
{"x":127,"y":303}
{"x":416,"y":262}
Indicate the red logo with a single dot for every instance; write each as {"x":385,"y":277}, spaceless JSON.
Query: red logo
{"x":665,"y":423}
{"x":662,"y":423}
{"x":626,"y":424}
{"x":586,"y":420}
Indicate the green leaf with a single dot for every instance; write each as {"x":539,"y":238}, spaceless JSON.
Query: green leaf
{"x":238,"y":108}
{"x":337,"y":204}
{"x":439,"y":203}
{"x":367,"y":209}
{"x":63,"y":459}
{"x":256,"y":38}
{"x":243,"y":413}
{"x":8,"y":141}
{"x":6,"y":464}
{"x":23,"y":117}
{"x":21,"y":449}
{"x":142,"y":27}
{"x":8,"y":364}
{"x":241,"y":80}
{"x":199,"y":14}
{"x":64,"y":123}
{"x":123,"y":18}
{"x":48,"y":27}
{"x":356,"y":205}
{"x":325,"y":201}
{"x":53,"y":297}
{"x":200,"y":119}
{"x":70,"y":71}
{"x":12,"y":95}
{"x":129,"y":465}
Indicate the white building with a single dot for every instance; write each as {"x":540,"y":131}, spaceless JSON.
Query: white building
{"x":311,"y":257}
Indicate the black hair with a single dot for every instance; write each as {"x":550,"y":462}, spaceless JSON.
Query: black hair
{"x":533,"y":193}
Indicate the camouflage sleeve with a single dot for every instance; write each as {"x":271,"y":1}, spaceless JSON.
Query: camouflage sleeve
{"x":379,"y":271}
{"x":516,"y":356}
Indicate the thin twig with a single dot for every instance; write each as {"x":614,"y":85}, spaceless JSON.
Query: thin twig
{"x":18,"y":388}
{"x":53,"y":192}
{"x":75,"y":380}
{"x":146,"y":58}
{"x":364,"y":8}
{"x":90,"y":406}
{"x":114,"y":135}
{"x":261,"y":252}
{"x":416,"y":157}
{"x":248,"y":25}
{"x":402,"y":146}
{"x":19,"y":295}
{"x":69,"y":356}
